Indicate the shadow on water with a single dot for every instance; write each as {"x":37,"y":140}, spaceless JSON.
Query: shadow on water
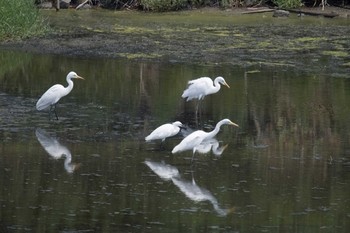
{"x":285,"y":169}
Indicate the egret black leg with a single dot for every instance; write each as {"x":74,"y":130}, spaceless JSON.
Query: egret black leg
{"x":50,"y":112}
{"x":53,"y":109}
{"x":55,"y":112}
{"x":196,"y":113}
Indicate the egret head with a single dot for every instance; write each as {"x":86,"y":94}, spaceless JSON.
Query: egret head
{"x":229,"y":122}
{"x":178,"y":124}
{"x":72,"y":74}
{"x":222,"y":81}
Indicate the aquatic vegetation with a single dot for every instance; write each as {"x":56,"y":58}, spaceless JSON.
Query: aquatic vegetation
{"x":163,"y":5}
{"x":139,"y":55}
{"x":336,"y":53}
{"x":310,"y":39}
{"x":288,"y":3}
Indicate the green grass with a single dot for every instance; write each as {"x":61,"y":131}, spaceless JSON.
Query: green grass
{"x":20,"y":19}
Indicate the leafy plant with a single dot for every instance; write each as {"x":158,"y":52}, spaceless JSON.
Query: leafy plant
{"x":288,"y":4}
{"x":163,"y":5}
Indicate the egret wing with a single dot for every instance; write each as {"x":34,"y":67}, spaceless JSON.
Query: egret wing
{"x":197,"y":88}
{"x":190,"y":142}
{"x":162,"y":132}
{"x":201,"y":80}
{"x":50,"y":97}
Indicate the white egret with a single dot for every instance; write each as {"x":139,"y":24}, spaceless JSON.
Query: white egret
{"x":165,"y":131}
{"x":197,"y":137}
{"x":201,"y":87}
{"x":55,"y":93}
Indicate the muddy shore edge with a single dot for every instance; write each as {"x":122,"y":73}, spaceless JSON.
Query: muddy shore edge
{"x":177,"y":46}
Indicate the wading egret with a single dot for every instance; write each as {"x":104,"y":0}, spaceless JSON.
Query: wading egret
{"x":55,"y":93}
{"x":197,"y":137}
{"x":201,"y":87}
{"x":165,"y":131}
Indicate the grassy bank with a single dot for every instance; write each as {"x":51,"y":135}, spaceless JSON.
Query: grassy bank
{"x":20,"y":19}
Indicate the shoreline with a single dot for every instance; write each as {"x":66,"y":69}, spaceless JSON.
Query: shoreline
{"x":204,"y":36}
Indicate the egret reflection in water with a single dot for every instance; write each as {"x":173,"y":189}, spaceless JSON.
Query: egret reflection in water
{"x":211,"y":145}
{"x":56,"y":150}
{"x":189,"y":188}
{"x":163,"y":170}
{"x":198,"y":194}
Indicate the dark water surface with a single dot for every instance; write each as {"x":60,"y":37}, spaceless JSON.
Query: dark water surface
{"x":286,"y":169}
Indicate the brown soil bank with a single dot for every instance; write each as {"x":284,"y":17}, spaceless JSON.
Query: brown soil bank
{"x":199,"y":36}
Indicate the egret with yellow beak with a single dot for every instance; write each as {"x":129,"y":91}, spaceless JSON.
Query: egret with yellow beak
{"x":55,"y":93}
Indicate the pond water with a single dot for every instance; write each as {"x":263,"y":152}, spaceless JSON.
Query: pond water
{"x":285,"y":169}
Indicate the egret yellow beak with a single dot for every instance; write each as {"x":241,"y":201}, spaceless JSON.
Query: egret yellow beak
{"x":234,"y":124}
{"x":224,"y":147}
{"x":226,"y":85}
{"x":79,"y":77}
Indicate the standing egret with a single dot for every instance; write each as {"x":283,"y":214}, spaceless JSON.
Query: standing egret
{"x":165,"y":131}
{"x":55,"y":93}
{"x":197,"y":137}
{"x":201,"y":87}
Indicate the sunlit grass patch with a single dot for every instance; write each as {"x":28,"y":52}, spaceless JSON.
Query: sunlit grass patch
{"x":139,"y":55}
{"x":133,"y":30}
{"x":19,"y":19}
{"x":310,"y":39}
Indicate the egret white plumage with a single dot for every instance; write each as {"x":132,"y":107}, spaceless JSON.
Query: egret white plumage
{"x":165,"y":131}
{"x":197,"y":137}
{"x":55,"y":93}
{"x":201,"y":87}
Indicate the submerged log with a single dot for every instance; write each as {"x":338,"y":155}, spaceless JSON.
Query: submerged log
{"x":257,"y":10}
{"x":280,"y":13}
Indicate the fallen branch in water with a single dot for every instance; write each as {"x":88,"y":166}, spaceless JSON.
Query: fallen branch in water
{"x":324,"y":14}
{"x":82,"y":4}
{"x":257,"y":10}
